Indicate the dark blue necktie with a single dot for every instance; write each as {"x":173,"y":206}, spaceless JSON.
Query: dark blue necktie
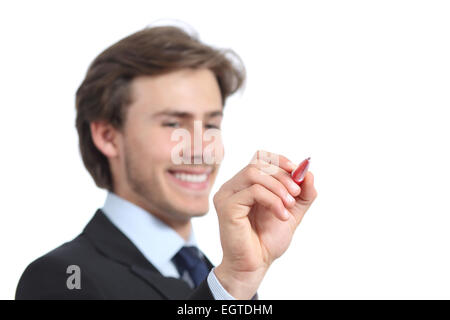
{"x":188,"y":259}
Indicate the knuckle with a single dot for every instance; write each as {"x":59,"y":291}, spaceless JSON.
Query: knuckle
{"x":216,"y":198}
{"x":271,"y":169}
{"x":278,"y":204}
{"x":256,"y":188}
{"x":251,"y":172}
{"x":279,"y":189}
{"x":265,"y":167}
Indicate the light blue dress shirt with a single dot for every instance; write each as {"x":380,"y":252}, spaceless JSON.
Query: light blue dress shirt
{"x":158,"y":242}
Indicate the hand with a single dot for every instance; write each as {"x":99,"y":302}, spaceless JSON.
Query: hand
{"x":259,"y":210}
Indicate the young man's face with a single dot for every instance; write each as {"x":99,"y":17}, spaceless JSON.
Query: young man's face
{"x":145,"y":169}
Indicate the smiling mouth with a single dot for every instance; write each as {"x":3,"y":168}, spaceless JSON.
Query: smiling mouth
{"x":193,"y":179}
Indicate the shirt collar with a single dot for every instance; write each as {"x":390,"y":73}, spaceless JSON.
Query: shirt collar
{"x":157,"y":241}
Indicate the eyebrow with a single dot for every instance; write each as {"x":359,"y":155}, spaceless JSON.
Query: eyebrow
{"x":184,"y":114}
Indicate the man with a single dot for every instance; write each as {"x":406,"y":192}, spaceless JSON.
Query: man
{"x":138,"y":98}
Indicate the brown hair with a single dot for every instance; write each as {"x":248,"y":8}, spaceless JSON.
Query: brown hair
{"x":104,"y":93}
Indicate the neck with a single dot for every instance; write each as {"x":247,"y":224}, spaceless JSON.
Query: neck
{"x":181,"y":226}
{"x":183,"y":229}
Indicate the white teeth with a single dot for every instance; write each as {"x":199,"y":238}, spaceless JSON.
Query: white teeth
{"x":196,"y":178}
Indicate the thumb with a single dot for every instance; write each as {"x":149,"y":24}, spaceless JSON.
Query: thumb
{"x":305,"y":199}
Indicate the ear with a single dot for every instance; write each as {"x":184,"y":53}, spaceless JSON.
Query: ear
{"x":105,"y":138}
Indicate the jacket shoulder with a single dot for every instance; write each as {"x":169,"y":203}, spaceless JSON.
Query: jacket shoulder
{"x":54,"y":275}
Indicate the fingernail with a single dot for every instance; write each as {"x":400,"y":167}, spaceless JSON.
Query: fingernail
{"x":292,"y":165}
{"x":295,"y":187}
{"x":286,"y":214}
{"x":289,"y":198}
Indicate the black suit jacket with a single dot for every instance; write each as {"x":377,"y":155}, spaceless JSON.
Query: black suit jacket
{"x":111,"y":268}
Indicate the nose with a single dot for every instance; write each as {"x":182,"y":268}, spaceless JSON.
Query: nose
{"x":202,"y":146}
{"x":198,"y":143}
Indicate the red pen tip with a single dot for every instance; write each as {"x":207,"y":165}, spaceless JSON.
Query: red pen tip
{"x":299,"y":174}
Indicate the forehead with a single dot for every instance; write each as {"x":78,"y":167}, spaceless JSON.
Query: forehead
{"x":187,"y":90}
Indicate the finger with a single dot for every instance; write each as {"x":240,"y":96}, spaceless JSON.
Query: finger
{"x":258,"y":194}
{"x":275,"y":159}
{"x":281,"y":175}
{"x":253,"y":175}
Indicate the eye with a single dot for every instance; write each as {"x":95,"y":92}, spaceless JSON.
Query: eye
{"x":212,"y":126}
{"x":171,"y":124}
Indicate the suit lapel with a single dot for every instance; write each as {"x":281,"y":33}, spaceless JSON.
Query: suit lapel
{"x":111,"y":242}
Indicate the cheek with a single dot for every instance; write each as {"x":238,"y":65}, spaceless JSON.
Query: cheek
{"x":152,"y":147}
{"x":159,"y":146}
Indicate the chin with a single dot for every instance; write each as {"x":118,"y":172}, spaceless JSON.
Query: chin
{"x":192,"y":209}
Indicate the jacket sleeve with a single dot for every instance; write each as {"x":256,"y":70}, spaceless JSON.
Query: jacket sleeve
{"x":203,"y":292}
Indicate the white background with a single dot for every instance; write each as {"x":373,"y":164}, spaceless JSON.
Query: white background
{"x":360,"y":86}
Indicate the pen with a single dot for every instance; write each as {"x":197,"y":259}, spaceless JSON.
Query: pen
{"x":299,"y":174}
